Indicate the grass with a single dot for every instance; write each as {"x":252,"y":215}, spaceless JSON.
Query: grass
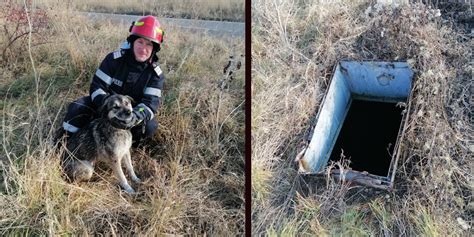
{"x":295,"y":46}
{"x":192,"y":170}
{"x":220,"y":10}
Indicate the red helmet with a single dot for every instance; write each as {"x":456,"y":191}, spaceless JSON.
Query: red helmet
{"x":149,"y":28}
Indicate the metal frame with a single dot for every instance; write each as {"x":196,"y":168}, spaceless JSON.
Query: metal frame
{"x":385,"y":82}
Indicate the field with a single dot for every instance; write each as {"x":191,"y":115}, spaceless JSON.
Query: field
{"x":218,"y":10}
{"x":192,"y":170}
{"x":295,"y":46}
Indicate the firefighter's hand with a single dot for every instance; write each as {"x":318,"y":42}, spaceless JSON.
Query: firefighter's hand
{"x":136,"y":120}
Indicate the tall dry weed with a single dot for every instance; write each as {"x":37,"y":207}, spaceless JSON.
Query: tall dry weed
{"x":296,"y":45}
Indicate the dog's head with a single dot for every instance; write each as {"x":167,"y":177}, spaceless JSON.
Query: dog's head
{"x":118,"y":110}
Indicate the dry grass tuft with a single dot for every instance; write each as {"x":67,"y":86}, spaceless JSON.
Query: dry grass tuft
{"x":192,"y":170}
{"x":295,"y":48}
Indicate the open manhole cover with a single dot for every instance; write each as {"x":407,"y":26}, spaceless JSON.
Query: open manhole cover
{"x":359,"y":122}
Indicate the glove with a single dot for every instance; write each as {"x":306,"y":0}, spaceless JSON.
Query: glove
{"x":136,"y":120}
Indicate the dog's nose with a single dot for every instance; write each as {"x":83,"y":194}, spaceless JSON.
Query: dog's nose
{"x":128,"y":112}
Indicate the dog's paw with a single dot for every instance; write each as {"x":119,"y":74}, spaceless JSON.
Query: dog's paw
{"x":128,"y":190}
{"x":136,"y":179}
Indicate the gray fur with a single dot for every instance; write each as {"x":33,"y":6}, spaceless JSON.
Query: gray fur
{"x":104,"y":140}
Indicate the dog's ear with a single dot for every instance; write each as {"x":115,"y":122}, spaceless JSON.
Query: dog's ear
{"x":104,"y":107}
{"x":131,"y":99}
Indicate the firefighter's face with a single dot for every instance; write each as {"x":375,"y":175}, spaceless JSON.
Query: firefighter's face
{"x":142,"y":49}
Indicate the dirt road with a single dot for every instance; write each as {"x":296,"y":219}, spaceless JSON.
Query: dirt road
{"x":217,"y":28}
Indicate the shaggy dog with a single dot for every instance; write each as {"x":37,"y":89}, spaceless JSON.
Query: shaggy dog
{"x":106,"y":139}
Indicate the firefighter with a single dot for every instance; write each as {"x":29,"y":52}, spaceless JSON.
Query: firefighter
{"x":132,"y":70}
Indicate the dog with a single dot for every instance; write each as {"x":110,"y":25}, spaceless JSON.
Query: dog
{"x":106,"y":139}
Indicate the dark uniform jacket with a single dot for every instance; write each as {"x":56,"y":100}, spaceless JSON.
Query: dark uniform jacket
{"x":120,"y":73}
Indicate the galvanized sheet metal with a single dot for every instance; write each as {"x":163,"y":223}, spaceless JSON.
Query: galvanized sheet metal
{"x":377,"y":81}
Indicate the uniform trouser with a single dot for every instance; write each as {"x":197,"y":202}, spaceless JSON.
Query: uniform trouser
{"x":82,"y":111}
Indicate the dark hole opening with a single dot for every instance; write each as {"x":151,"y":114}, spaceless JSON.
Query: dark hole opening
{"x":368,"y":136}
